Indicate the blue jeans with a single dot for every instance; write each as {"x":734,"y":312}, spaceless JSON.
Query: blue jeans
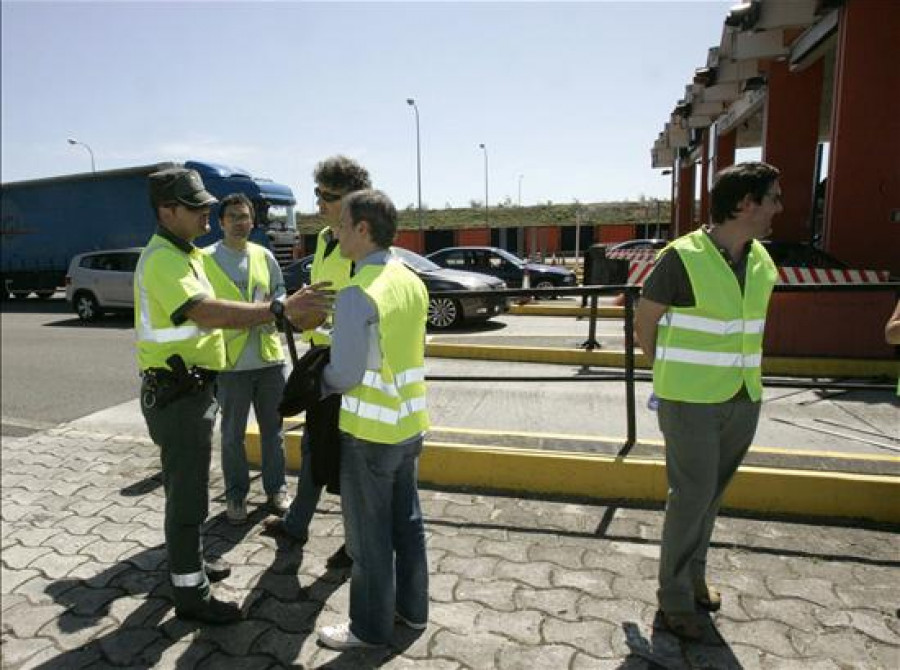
{"x":385,"y":535}
{"x":236,"y":391}
{"x":303,"y":506}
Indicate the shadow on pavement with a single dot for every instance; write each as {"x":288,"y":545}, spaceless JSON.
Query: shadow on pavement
{"x":469,"y":327}
{"x":664,"y":650}
{"x":115,"y":321}
{"x":143,"y":486}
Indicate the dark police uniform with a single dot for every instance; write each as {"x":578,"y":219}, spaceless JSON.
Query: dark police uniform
{"x":178,"y":361}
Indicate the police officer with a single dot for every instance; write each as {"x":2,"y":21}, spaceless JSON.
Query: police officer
{"x":700,"y":322}
{"x":335,"y":177}
{"x":180,"y":346}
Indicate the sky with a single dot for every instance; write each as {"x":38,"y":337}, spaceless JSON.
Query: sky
{"x":567,"y":98}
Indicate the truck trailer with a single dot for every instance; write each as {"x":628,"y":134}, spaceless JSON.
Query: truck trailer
{"x":46,"y":222}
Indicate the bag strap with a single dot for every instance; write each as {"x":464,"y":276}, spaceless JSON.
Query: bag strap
{"x":289,"y":336}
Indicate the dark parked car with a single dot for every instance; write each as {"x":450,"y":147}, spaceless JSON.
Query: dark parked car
{"x":443,"y":311}
{"x":638,"y":245}
{"x":800,"y":255}
{"x":503,"y":265}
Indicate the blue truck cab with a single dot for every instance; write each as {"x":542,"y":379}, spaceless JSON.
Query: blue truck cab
{"x":46,"y":222}
{"x":274,"y":205}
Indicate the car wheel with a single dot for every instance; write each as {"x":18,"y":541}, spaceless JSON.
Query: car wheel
{"x":45,"y":295}
{"x":546,"y":283}
{"x":86,"y":307}
{"x":443,"y":313}
{"x":20,"y":295}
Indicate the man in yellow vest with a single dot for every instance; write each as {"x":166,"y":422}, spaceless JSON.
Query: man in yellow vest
{"x":335,"y":177}
{"x":180,"y":348}
{"x":378,"y":364}
{"x":254,"y":374}
{"x":700,"y":321}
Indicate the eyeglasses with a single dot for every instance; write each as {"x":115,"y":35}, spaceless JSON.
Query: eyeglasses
{"x":327,"y":196}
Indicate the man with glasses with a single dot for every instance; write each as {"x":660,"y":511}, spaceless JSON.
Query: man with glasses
{"x":335,"y":177}
{"x":180,"y":347}
{"x":700,"y":322}
{"x":242,"y":270}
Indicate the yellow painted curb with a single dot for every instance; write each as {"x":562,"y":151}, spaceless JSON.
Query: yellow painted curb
{"x":772,"y":365}
{"x":552,"y":310}
{"x":488,"y":352}
{"x":756,"y":489}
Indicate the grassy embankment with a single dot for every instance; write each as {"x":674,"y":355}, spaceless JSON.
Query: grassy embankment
{"x":601,"y":213}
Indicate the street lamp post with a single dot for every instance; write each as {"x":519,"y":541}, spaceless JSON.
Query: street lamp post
{"x":671,"y":226}
{"x":412,"y":103}
{"x":521,"y":245}
{"x":73,"y":142}
{"x":487,"y":219}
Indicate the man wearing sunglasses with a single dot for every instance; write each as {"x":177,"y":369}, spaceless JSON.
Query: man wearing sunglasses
{"x":335,"y":177}
{"x":180,"y":348}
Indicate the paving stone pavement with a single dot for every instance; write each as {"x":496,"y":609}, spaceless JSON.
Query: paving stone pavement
{"x":515,"y":583}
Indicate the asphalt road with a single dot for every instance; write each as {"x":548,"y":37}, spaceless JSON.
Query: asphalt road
{"x":56,"y":369}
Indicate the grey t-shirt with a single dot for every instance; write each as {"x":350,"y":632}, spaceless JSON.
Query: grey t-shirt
{"x":669,"y":284}
{"x":236,"y":265}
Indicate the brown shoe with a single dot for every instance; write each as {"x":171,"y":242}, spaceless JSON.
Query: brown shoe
{"x":686,"y":625}
{"x":708,"y":597}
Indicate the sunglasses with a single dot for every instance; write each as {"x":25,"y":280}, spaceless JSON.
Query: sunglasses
{"x":326,"y":196}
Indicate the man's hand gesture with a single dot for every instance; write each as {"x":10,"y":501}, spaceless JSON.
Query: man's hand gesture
{"x":308,"y":307}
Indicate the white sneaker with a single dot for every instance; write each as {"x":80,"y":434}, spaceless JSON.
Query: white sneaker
{"x":339,"y":637}
{"x":399,"y":618}
{"x":278,"y":503}
{"x":236,"y":511}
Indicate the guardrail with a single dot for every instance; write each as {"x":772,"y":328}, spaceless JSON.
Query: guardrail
{"x":631,"y":293}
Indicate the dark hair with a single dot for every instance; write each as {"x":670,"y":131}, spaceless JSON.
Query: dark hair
{"x":734,"y":183}
{"x":378,"y":210}
{"x":342,"y":175}
{"x":235,"y":199}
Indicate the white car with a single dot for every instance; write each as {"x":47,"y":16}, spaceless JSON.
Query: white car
{"x":102,"y":281}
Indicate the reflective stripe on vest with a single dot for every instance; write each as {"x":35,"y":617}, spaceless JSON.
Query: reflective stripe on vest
{"x":385,"y":415}
{"x":715,"y":358}
{"x":714,"y":326}
{"x":373,"y":379}
{"x":707,"y":352}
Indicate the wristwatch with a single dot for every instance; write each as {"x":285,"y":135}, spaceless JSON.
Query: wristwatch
{"x":277,"y":308}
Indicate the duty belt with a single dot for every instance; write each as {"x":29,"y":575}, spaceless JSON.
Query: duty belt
{"x":163,"y":386}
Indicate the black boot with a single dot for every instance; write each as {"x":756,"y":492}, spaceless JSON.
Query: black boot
{"x":212,"y":611}
{"x":216,"y":569}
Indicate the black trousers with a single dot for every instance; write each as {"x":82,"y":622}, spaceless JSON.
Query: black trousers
{"x":183,"y":430}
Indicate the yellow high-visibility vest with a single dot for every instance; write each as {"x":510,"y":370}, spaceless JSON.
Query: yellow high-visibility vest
{"x":334,"y":268}
{"x":705,"y":353}
{"x":258,"y":283}
{"x":389,"y":405}
{"x":156,"y":296}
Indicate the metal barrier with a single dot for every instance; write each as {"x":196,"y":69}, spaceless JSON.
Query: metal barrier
{"x":631,"y":294}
